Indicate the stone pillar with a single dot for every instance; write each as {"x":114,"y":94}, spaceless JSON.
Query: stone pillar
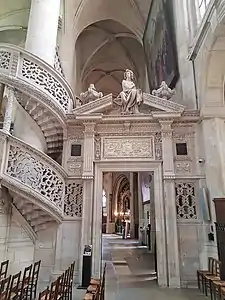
{"x":9,"y":110}
{"x":170,"y":205}
{"x":132,"y":221}
{"x":88,"y":175}
{"x":136,"y":205}
{"x":42,"y":29}
{"x":140,"y":205}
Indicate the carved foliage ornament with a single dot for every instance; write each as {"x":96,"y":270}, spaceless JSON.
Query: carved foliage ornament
{"x":29,"y":170}
{"x":73,"y":200}
{"x":164,"y":91}
{"x":128,"y":147}
{"x":46,"y":81}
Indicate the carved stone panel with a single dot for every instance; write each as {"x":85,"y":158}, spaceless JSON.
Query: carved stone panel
{"x":133,"y":147}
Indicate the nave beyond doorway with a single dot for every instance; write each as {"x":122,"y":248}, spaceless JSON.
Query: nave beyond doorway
{"x":128,"y":206}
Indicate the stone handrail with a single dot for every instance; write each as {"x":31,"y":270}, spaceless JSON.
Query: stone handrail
{"x":32,"y":174}
{"x":22,"y":69}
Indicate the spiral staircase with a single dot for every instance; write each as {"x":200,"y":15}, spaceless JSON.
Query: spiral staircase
{"x":34,"y":181}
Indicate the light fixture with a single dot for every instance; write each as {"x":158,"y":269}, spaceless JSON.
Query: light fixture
{"x":115,"y":213}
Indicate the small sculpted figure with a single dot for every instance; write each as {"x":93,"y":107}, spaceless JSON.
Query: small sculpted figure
{"x":130,"y":98}
{"x":90,"y":95}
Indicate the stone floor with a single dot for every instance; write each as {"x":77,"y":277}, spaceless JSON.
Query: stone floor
{"x":130,"y":274}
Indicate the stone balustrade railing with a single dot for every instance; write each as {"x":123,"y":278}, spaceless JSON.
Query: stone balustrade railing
{"x":30,"y":173}
{"x":24,"y":70}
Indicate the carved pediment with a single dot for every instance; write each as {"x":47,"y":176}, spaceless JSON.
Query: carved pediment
{"x":97,"y":106}
{"x":152,"y":104}
{"x":159,"y":104}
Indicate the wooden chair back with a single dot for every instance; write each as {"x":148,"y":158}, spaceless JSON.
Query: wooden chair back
{"x":44,"y":294}
{"x":4,"y":269}
{"x":32,"y":291}
{"x":54,"y":291}
{"x":4,"y":287}
{"x":14,"y":286}
{"x":25,"y":282}
{"x":210,"y":264}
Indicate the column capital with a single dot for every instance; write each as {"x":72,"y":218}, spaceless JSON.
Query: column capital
{"x":166,"y":128}
{"x":89,"y":127}
{"x":166,"y":124}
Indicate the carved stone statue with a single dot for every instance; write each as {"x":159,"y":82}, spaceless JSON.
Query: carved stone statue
{"x":130,"y":98}
{"x":90,"y":95}
{"x":164,"y":91}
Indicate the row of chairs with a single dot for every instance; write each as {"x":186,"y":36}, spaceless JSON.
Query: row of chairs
{"x":96,"y":289}
{"x":61,"y":288}
{"x":209,"y":280}
{"x":19,"y":286}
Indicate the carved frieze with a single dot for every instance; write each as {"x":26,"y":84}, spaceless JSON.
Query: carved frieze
{"x":182,"y":167}
{"x":74,"y":167}
{"x":133,"y":147}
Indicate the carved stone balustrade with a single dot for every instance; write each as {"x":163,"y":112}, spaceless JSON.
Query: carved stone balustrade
{"x":31,"y":75}
{"x":33,"y":175}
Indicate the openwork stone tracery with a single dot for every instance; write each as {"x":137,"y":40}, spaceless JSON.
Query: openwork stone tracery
{"x":73,"y":200}
{"x":29,"y":170}
{"x":46,"y":81}
{"x":5,"y":59}
{"x":186,"y":200}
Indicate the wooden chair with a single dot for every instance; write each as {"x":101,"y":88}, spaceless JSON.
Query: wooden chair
{"x":200,"y":273}
{"x":102,"y":289}
{"x":65,"y":287}
{"x":216,"y":285}
{"x":54,"y":290}
{"x":32,"y":289}
{"x":4,"y":269}
{"x":14,"y":286}
{"x":44,"y":295}
{"x":24,"y":284}
{"x":70,"y":281}
{"x":4,"y":287}
{"x":208,"y":278}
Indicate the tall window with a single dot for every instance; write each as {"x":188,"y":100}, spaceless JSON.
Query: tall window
{"x":201,"y":7}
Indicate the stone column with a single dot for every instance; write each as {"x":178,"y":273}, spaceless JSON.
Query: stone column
{"x":140,"y":205}
{"x":43,"y":28}
{"x":88,"y":175}
{"x":136,"y":205}
{"x":132,"y":221}
{"x":170,"y":205}
{"x":9,"y":110}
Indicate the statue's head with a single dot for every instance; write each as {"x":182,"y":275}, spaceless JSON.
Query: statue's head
{"x":128,"y":74}
{"x":92,"y":86}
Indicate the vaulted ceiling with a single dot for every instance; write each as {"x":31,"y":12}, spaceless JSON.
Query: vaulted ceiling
{"x":104,"y":50}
